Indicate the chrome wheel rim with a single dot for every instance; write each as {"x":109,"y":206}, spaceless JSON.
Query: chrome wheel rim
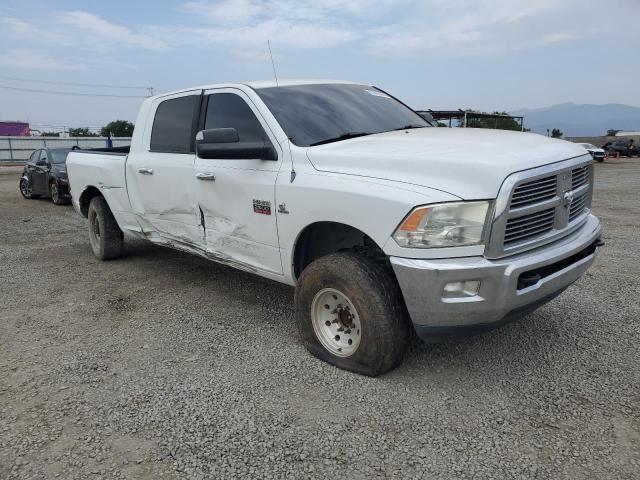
{"x":95,"y":229}
{"x":25,"y":188}
{"x":336,"y":322}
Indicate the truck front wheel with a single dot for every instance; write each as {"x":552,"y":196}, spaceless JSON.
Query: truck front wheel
{"x":349,"y":313}
{"x":106,"y":238}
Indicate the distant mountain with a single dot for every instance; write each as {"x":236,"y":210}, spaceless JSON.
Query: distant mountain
{"x":581,"y":120}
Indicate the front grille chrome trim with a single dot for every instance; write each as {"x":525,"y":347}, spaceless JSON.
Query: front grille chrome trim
{"x":518,"y":225}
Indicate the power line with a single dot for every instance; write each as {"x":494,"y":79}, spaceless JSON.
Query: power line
{"x":75,"y":94}
{"x":73,"y":84}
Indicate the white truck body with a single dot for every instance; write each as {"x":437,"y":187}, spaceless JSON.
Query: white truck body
{"x":253,"y":213}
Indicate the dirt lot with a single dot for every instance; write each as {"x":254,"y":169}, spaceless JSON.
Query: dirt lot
{"x":164,"y":365}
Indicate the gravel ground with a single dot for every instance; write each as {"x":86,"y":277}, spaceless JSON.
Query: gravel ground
{"x":165,"y":365}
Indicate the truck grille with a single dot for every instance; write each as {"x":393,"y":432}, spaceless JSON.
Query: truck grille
{"x":577,"y":207}
{"x":529,"y":226}
{"x":580,"y":176}
{"x":534,"y":192}
{"x":542,"y":204}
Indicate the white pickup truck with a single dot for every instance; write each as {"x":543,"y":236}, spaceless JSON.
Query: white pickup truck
{"x":384,"y":224}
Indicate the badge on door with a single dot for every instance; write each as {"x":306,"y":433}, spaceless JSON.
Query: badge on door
{"x":262,"y":206}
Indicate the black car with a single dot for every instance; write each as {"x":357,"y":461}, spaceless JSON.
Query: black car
{"x":624,"y":148}
{"x":45,"y":175}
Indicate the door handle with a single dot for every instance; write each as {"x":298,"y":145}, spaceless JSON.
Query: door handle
{"x":206,"y":176}
{"x":146,"y":171}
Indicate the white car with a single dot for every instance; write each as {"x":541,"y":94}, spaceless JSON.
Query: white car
{"x":597,"y":154}
{"x":382,"y":223}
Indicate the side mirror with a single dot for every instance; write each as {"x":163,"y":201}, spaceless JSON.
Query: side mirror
{"x":427,"y":116}
{"x":224,"y":143}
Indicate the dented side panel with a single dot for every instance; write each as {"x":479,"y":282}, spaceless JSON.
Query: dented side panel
{"x":239,"y":208}
{"x":234,"y":226}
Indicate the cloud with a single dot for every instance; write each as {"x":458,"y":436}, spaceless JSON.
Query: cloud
{"x":384,"y":28}
{"x":241,"y":23}
{"x":468,"y":27}
{"x":16,"y":24}
{"x":30,"y":59}
{"x":227,"y":11}
{"x":100,"y":32}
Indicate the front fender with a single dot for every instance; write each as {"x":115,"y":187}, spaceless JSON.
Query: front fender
{"x":375,"y":207}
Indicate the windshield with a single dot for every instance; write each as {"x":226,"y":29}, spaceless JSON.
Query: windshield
{"x":588,"y":146}
{"x":59,"y":155}
{"x":321,"y":113}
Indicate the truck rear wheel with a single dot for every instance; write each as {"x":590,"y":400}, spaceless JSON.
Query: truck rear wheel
{"x":349,"y":313}
{"x":106,"y":238}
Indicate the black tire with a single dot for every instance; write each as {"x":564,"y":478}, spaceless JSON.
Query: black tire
{"x":599,"y":160}
{"x":107,"y":240}
{"x":375,"y":295}
{"x":26,"y":189}
{"x":54,"y":192}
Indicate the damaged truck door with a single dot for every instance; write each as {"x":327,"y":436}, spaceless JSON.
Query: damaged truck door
{"x":236,"y":166}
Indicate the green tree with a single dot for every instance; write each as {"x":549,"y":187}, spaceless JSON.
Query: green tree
{"x":441,"y":124}
{"x":556,"y":133}
{"x":612,"y":132}
{"x":117,"y":128}
{"x":81,"y":132}
{"x":49,"y":134}
{"x":505,"y":122}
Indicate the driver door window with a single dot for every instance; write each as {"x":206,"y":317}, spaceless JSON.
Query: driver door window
{"x":34,"y":157}
{"x":42,"y":160}
{"x":228,"y":110}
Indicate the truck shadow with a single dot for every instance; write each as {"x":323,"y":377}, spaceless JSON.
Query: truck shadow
{"x":527,"y":342}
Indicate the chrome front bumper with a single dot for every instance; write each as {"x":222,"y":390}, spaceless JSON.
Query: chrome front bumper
{"x":504,"y":293}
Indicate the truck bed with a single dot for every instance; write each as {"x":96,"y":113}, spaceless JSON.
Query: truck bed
{"x":102,"y":169}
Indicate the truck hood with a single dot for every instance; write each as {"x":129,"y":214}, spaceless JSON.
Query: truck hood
{"x":470,"y":163}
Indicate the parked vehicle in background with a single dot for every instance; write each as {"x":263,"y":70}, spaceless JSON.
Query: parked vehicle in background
{"x":45,"y":175}
{"x":597,"y":154}
{"x":623,"y":147}
{"x":382,"y":222}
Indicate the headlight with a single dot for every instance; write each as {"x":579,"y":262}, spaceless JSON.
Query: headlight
{"x":444,"y":225}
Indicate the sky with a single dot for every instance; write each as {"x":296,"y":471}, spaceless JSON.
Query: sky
{"x":440,"y":54}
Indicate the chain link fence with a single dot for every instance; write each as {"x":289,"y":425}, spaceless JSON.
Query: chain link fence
{"x":18,"y":149}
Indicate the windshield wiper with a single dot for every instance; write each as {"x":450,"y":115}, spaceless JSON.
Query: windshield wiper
{"x":409,"y":127}
{"x":344,"y":136}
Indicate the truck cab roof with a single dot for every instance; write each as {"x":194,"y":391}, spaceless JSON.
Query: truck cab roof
{"x":258,"y":84}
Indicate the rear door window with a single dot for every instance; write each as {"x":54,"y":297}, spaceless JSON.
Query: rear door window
{"x":172,"y":125}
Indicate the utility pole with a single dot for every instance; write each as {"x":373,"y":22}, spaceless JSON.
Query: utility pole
{"x":150,"y":91}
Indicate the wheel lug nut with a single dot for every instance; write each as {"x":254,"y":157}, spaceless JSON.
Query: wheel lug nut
{"x":327,"y":323}
{"x":337,"y":338}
